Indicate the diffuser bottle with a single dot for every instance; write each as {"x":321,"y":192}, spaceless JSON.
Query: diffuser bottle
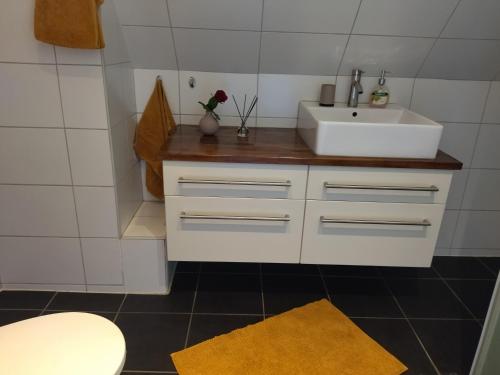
{"x":380,"y":96}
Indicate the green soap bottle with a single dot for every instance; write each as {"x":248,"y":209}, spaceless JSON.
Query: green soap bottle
{"x":380,"y":96}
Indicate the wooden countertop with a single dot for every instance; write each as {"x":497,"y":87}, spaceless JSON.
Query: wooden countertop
{"x":276,"y":146}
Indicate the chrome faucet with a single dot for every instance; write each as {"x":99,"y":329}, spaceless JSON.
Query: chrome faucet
{"x":356,"y":88}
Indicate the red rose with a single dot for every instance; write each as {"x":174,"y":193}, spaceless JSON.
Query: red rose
{"x":220,"y":96}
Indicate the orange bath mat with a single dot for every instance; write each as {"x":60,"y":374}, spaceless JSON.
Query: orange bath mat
{"x":314,"y":339}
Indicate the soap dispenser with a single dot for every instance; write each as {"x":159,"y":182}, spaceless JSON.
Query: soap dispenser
{"x":380,"y":96}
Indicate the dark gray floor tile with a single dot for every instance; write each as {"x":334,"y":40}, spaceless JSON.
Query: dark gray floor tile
{"x":284,"y":292}
{"x":362,"y":297}
{"x":189,"y":267}
{"x":230,"y":267}
{"x":285,"y":268}
{"x":151,"y":338}
{"x":204,"y":327}
{"x":422,"y":298}
{"x":229,"y":293}
{"x":408,"y":272}
{"x":86,"y":302}
{"x":350,"y":271}
{"x":450,"y":343}
{"x":12,"y":316}
{"x":461,"y":268}
{"x":476,"y":294}
{"x":24,"y":300}
{"x":396,"y":337}
{"x":493,"y":264}
{"x":180,"y":298}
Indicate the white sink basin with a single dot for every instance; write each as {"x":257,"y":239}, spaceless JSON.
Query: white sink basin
{"x":392,"y":132}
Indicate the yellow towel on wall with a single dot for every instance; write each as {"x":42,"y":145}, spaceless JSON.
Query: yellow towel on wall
{"x":316,"y":339}
{"x":69,"y":23}
{"x":151,"y":135}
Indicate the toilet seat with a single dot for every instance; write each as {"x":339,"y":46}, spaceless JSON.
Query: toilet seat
{"x":62,"y":344}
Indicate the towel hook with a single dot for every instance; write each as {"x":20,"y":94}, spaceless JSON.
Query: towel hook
{"x":158,"y":77}
{"x":192,"y":82}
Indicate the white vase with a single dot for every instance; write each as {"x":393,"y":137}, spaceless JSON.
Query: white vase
{"x":209,"y":124}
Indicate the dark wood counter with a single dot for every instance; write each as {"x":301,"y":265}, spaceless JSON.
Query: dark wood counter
{"x":276,"y":146}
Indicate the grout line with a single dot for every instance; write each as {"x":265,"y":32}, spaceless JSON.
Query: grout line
{"x":348,"y":40}
{"x":120,"y":307}
{"x":176,"y":61}
{"x":324,"y":283}
{"x":192,"y":310}
{"x":48,"y":304}
{"x":259,"y":58}
{"x":458,"y":298}
{"x":411,"y":327}
{"x":261,"y":278}
{"x":486,"y":266}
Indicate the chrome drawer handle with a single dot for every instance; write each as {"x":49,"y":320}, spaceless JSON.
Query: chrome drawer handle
{"x":422,"y":223}
{"x":208,"y":216}
{"x":216,"y":181}
{"x":330,"y":185}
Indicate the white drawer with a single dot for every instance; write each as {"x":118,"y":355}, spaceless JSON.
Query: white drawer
{"x":360,"y":233}
{"x":234,"y":229}
{"x":235,"y":180}
{"x":378,"y":185}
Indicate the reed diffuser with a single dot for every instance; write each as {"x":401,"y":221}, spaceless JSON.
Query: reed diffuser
{"x":244,"y":115}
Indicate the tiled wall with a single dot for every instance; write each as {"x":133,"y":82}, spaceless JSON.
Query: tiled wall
{"x":64,"y":190}
{"x":448,"y":39}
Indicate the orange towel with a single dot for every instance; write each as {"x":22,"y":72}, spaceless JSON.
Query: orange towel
{"x":69,"y":23}
{"x":151,"y":135}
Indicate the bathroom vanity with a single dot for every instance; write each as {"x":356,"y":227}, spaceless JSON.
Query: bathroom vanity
{"x":269,"y":198}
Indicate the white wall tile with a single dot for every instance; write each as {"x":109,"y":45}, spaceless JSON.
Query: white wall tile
{"x":280,"y":94}
{"x":96,"y":210}
{"x":217,"y":50}
{"x":463,"y":59}
{"x":450,"y":101}
{"x":482,"y":190}
{"x":478,"y":229}
{"x":102,"y":258}
{"x":120,"y":92}
{"x":457,"y":189}
{"x":116,"y":48}
{"x":408,"y":18}
{"x":145,"y":12}
{"x":400,"y":89}
{"x":145,"y":80}
{"x":492,"y":112}
{"x":82,"y":91}
{"x":314,"y":16}
{"x":34,"y":156}
{"x":48,"y":287}
{"x":37,"y":211}
{"x":458,"y":140}
{"x":297,"y":53}
{"x":41,"y":260}
{"x":78,"y":56}
{"x":129,"y":194}
{"x":276,"y":122}
{"x":144,"y":266}
{"x":447,"y":230}
{"x":487,"y":154}
{"x":217,"y":14}
{"x":17,"y":40}
{"x":90,"y":157}
{"x":139,"y":41}
{"x":475,"y":19}
{"x":32,"y":98}
{"x":400,"y":56}
{"x":208,"y":83}
{"x":230,"y":121}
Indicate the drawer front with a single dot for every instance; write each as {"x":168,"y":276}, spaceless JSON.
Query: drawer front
{"x":234,"y":229}
{"x":378,"y":185}
{"x":236,"y":180}
{"x":360,"y":233}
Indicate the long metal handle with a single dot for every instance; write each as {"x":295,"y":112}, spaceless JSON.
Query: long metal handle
{"x":421,"y":223}
{"x":216,"y":181}
{"x":330,"y":185}
{"x":209,"y":216}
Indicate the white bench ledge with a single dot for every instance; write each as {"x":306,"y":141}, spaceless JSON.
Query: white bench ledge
{"x":147,"y":223}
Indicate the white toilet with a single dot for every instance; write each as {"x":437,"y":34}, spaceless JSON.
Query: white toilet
{"x":62,"y":344}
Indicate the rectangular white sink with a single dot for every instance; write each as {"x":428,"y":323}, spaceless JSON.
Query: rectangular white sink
{"x":392,"y":132}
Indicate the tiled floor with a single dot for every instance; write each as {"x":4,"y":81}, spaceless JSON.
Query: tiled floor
{"x":429,"y":318}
